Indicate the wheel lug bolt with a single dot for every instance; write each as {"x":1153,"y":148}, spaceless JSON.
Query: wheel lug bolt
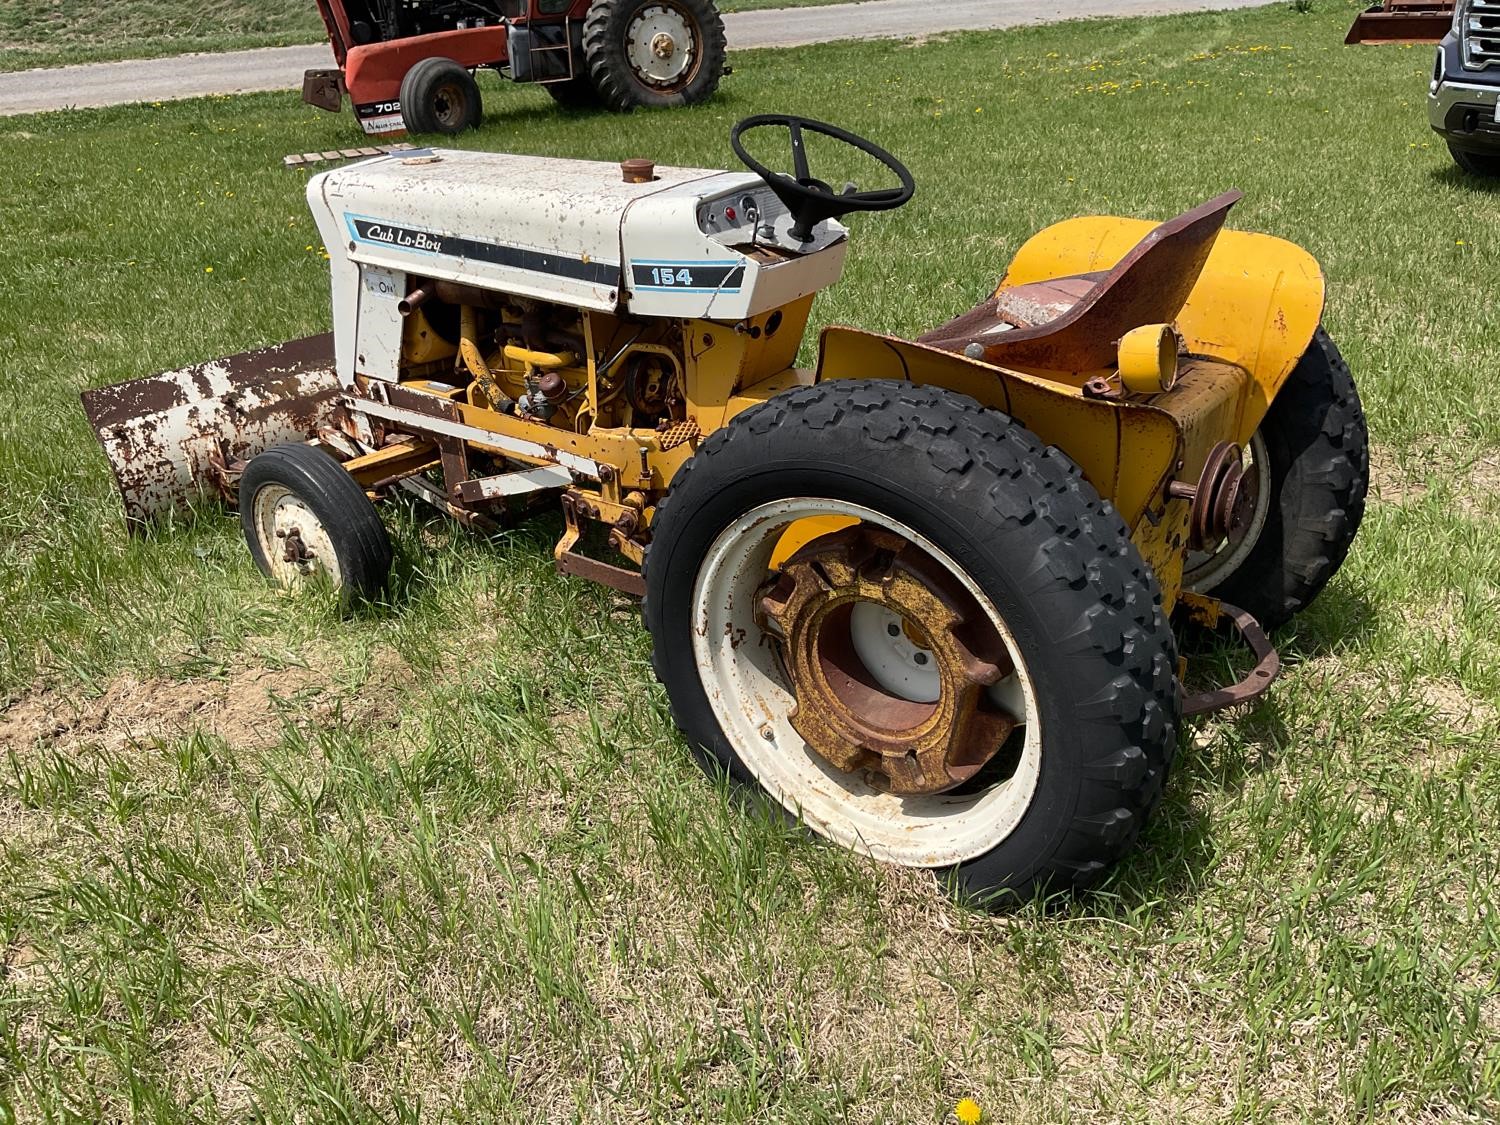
{"x":768,"y":734}
{"x":921,"y":659}
{"x":893,"y":629}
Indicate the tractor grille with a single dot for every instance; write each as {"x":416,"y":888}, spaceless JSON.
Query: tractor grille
{"x":1481,"y":35}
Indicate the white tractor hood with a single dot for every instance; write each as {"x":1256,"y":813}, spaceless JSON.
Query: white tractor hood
{"x":569,"y":231}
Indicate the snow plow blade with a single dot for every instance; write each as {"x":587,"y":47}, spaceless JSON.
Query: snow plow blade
{"x":188,"y":433}
{"x":1402,"y":21}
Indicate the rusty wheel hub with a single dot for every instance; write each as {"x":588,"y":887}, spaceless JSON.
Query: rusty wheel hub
{"x":917,"y":733}
{"x":295,"y":551}
{"x":1223,"y":500}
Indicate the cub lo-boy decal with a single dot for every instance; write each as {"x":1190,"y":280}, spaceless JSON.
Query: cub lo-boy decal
{"x":377,"y":232}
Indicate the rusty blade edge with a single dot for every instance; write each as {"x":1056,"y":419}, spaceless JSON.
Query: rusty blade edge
{"x":173,"y":437}
{"x":121,"y":402}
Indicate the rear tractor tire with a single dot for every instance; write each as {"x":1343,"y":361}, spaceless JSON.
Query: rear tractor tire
{"x":440,"y":96}
{"x":1311,"y":459}
{"x":921,"y":631}
{"x":653,"y":53}
{"x":307,"y":520}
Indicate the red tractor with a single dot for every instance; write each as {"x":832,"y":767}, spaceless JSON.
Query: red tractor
{"x":409,"y":64}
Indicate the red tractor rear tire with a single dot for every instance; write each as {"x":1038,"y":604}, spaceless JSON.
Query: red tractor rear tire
{"x":654,"y":53}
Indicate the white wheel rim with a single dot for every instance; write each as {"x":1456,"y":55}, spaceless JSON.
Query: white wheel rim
{"x":278,"y":513}
{"x":1206,"y":569}
{"x":899,"y":664}
{"x":660,"y":45}
{"x":748,"y":693}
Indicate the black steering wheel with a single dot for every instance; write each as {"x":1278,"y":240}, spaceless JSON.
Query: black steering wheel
{"x":809,"y":199}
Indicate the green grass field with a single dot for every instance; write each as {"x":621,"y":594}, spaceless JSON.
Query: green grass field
{"x":71,"y":31}
{"x":448,"y":860}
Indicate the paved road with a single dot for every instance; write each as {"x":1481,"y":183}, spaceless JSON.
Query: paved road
{"x":280,"y":68}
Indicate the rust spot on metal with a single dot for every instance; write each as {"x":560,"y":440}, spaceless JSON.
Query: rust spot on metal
{"x":1402,"y":21}
{"x":841,"y":711}
{"x":1209,"y":612}
{"x":1150,"y":285}
{"x":679,"y":433}
{"x":638,"y":170}
{"x":630,"y":582}
{"x":1223,"y":498}
{"x":173,"y":436}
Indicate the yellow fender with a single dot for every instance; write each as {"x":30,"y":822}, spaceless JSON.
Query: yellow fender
{"x":1126,"y":450}
{"x":1257,"y":304}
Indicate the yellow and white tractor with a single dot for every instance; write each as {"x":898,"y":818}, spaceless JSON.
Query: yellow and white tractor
{"x":921,"y":594}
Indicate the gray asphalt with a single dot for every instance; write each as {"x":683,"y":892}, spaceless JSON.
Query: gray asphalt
{"x":280,"y":68}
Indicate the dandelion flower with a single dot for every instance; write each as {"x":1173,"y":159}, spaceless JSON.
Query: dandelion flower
{"x":968,"y":1112}
{"x":208,"y":269}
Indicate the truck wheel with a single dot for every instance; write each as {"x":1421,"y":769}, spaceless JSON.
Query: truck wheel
{"x":654,"y":52}
{"x":305,"y":518}
{"x":439,"y":96}
{"x":1486,"y":164}
{"x":575,"y":93}
{"x":1311,"y":461}
{"x":961,"y":665}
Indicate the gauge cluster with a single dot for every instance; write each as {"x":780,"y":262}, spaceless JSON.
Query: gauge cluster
{"x":738,"y":217}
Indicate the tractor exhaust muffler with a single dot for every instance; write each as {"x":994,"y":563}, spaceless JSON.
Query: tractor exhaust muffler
{"x":178,"y":436}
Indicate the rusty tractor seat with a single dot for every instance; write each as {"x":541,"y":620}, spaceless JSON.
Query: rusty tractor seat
{"x":1074,"y":323}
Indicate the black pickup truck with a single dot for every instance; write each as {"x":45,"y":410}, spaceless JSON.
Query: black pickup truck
{"x":1464,"y":101}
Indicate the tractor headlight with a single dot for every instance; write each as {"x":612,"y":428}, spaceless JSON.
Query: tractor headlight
{"x":1148,"y":358}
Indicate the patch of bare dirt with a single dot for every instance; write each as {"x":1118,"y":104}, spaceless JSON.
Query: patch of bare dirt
{"x":1454,"y":707}
{"x":239,"y":708}
{"x":17,"y":959}
{"x":1475,"y":483}
{"x":1479,"y":492}
{"x":245,"y":707}
{"x":1389,"y":482}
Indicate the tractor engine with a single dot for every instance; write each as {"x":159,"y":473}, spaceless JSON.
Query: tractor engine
{"x":534,"y":358}
{"x":380,"y":21}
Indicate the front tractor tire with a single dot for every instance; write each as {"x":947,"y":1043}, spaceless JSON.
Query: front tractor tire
{"x":440,"y":96}
{"x":306,"y":520}
{"x":1311,"y":461}
{"x":962,"y":665}
{"x":653,"y":53}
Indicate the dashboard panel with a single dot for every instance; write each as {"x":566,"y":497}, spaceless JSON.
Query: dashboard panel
{"x":735,"y":218}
